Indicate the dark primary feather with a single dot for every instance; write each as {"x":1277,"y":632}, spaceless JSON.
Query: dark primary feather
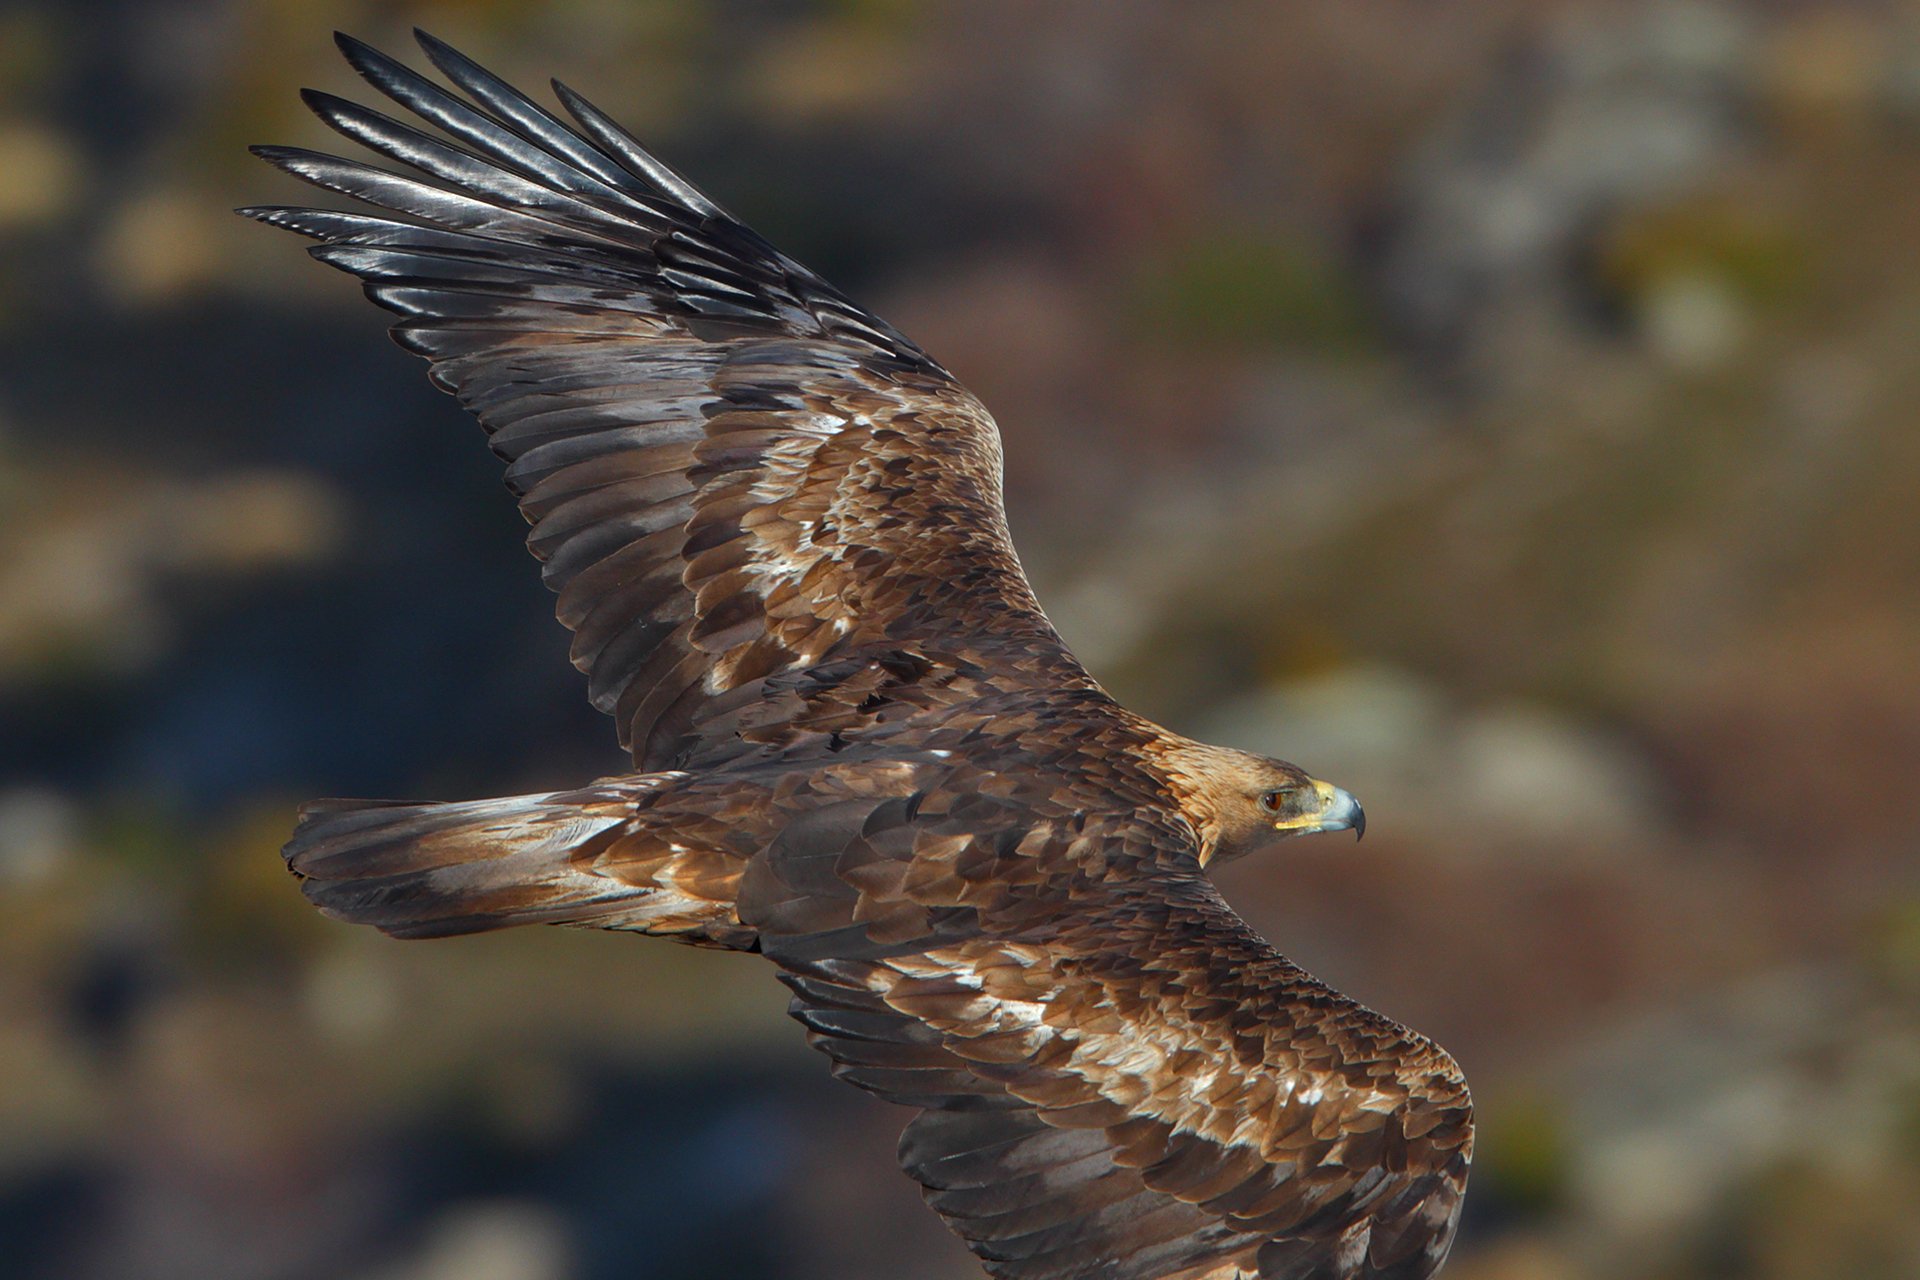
{"x":775,"y":528}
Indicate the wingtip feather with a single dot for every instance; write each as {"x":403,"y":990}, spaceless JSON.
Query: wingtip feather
{"x":450,"y":60}
{"x":284,"y":217}
{"x":627,"y":151}
{"x":319,"y":101}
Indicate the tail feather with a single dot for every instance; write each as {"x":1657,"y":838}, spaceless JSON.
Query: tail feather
{"x":433,"y":870}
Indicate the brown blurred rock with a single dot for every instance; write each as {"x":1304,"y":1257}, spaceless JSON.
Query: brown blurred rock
{"x":41,"y":173}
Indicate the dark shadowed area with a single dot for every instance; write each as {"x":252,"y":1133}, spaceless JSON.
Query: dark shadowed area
{"x":1505,"y":410}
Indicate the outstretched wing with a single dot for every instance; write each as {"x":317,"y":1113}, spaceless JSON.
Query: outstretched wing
{"x":731,"y":470}
{"x":1117,"y":1076}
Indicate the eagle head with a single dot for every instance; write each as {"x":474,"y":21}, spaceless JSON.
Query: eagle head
{"x":1240,"y":803}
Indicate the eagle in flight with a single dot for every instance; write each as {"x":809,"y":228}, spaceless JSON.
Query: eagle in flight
{"x":859,"y":747}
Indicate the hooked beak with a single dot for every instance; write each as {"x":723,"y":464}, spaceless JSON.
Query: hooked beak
{"x":1330,"y":808}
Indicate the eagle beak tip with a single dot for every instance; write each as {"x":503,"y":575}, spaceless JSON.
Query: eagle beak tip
{"x":1343,"y":813}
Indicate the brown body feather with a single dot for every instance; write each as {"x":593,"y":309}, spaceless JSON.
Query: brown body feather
{"x":775,"y":529}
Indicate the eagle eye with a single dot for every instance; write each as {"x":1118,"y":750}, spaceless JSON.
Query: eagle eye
{"x":1272,"y":801}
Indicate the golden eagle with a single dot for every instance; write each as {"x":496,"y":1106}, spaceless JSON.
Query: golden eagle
{"x":860,"y":749}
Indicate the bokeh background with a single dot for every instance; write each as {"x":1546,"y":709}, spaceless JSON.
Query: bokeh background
{"x":1507,"y":409}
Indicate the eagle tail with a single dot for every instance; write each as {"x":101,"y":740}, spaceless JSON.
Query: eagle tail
{"x":435,"y":870}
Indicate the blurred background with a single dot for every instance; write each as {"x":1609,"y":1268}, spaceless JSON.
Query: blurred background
{"x":1505,"y":410}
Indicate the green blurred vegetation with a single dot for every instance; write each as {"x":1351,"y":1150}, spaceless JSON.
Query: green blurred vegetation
{"x":1241,"y":289}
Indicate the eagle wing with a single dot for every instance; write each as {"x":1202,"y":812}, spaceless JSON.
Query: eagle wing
{"x":1117,"y":1076}
{"x":730,"y":469}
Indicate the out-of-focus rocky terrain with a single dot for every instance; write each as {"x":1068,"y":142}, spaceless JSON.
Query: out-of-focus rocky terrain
{"x":1508,"y":411}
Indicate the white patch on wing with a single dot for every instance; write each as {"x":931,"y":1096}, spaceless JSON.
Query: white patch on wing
{"x":1118,"y":1062}
{"x":1016,"y":1015}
